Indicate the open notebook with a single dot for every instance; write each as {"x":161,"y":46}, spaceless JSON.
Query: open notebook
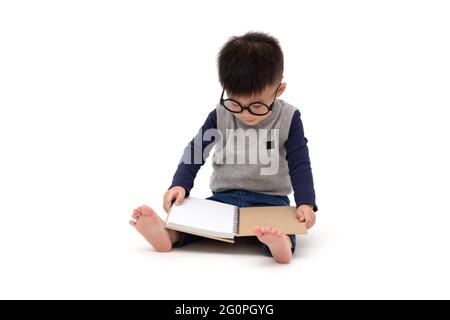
{"x":224,"y":222}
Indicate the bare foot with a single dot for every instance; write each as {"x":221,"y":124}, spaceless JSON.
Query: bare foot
{"x":278,"y":243}
{"x":150,"y":225}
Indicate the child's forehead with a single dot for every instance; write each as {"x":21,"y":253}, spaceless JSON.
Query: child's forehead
{"x":253,"y":96}
{"x":258,"y":96}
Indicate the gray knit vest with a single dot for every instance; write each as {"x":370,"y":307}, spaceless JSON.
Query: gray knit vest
{"x":252,"y":158}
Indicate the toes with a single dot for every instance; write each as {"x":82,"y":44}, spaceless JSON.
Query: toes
{"x":258,"y":231}
{"x":266,"y":230}
{"x":135,"y":214}
{"x":146,"y":210}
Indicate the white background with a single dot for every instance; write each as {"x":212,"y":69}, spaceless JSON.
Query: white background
{"x":99,"y":98}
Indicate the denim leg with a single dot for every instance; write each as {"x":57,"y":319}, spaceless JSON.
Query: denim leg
{"x":229,"y":197}
{"x":185,"y":239}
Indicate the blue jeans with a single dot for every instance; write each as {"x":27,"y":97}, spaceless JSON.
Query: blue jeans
{"x":242,"y":199}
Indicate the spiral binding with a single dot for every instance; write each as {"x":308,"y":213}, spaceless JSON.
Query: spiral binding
{"x":236,"y":222}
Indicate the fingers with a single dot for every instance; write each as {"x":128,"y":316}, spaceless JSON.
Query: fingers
{"x":167,"y":203}
{"x":300,"y":216}
{"x":310,"y":220}
{"x":305,"y":213}
{"x":175,"y":194}
{"x":180,"y":198}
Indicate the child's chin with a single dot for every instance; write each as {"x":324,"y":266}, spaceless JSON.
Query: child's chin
{"x":251,"y":122}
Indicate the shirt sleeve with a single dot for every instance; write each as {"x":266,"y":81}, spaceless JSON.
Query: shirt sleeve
{"x":297,"y":156}
{"x":195,"y":154}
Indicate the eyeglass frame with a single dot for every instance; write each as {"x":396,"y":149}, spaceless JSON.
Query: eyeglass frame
{"x":269,"y":108}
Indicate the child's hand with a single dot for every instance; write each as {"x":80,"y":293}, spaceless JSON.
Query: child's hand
{"x":305,"y":213}
{"x":175,"y":193}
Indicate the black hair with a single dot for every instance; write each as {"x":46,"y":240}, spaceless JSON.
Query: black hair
{"x":249,"y":63}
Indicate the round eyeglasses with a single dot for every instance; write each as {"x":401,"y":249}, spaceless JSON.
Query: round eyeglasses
{"x":255,"y":108}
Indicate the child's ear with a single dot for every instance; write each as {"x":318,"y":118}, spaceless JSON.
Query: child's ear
{"x":281,"y":89}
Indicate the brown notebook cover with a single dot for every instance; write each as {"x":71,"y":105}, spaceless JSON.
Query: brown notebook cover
{"x":282,"y":218}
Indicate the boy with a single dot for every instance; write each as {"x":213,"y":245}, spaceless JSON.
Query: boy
{"x":260,"y":149}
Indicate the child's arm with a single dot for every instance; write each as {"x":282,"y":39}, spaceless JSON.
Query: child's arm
{"x":297,"y":156}
{"x":194,"y":156}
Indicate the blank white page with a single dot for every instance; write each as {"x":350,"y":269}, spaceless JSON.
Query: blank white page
{"x":213,"y":217}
